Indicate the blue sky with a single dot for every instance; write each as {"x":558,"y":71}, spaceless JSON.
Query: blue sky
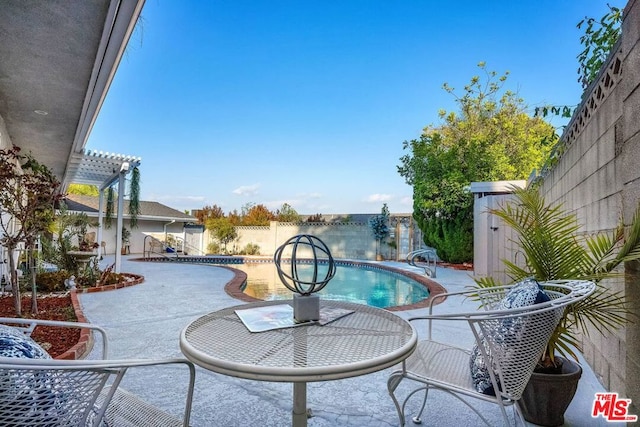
{"x":308,"y":102}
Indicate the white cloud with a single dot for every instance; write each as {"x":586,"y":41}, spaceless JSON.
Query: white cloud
{"x":376,"y":198}
{"x":406,"y":201}
{"x":247,"y":190}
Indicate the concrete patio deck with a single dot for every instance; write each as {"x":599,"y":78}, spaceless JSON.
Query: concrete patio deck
{"x":144,"y":321}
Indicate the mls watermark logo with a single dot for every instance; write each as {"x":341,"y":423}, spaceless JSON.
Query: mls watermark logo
{"x":611,"y":408}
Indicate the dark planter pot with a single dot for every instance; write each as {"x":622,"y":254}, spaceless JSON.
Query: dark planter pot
{"x":547,"y":396}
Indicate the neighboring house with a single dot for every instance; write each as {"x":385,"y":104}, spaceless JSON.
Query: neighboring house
{"x":155,"y":219}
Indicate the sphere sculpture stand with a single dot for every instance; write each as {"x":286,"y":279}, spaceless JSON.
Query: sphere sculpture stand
{"x":306,"y":305}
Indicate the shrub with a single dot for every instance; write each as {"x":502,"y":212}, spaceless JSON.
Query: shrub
{"x":52,"y":281}
{"x":85,"y":282}
{"x":213,"y":248}
{"x":112,"y":278}
{"x":453,"y":239}
{"x":250,"y":249}
{"x":315,"y":218}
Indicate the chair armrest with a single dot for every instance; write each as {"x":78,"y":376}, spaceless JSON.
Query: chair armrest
{"x":476,"y":293}
{"x":27,"y":326}
{"x":485,"y":296}
{"x":128,"y":364}
{"x":561,"y":292}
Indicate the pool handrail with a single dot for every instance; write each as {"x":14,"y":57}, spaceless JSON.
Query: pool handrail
{"x":430,"y":257}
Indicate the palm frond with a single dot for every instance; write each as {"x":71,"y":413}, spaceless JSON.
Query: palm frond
{"x":562,"y":342}
{"x":603,"y":310}
{"x":486,"y":282}
{"x":630,"y":249}
{"x":602,"y":249}
{"x":516,"y":272}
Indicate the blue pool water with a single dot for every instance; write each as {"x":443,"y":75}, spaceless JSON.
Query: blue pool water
{"x":374,"y":287}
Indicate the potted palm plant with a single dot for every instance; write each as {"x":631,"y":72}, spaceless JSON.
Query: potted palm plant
{"x":552,"y":250}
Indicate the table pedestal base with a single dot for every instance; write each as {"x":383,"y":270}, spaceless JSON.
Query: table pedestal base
{"x":300,"y":411}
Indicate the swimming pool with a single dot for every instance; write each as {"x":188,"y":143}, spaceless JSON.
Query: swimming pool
{"x":359,"y":284}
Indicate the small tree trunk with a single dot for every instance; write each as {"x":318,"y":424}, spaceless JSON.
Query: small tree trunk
{"x":34,"y":290}
{"x":15,"y":286}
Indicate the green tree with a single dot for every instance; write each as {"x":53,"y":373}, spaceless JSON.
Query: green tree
{"x":287,"y":214}
{"x":490,"y":138}
{"x":379,"y":226}
{"x":222,"y":230}
{"x":598,"y":39}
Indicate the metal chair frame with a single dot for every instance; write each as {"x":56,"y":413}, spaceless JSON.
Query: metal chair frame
{"x":39,"y":392}
{"x":513,"y":356}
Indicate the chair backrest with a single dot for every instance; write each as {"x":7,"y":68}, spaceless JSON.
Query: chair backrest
{"x":52,"y":392}
{"x":47,"y":392}
{"x":512,"y":341}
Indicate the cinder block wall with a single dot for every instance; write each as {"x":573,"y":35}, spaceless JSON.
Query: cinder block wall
{"x":628,"y":167}
{"x":597,"y":177}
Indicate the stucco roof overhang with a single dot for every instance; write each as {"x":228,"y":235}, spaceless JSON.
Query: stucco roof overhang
{"x":57,"y":60}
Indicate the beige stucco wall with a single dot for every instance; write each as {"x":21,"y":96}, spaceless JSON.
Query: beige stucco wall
{"x":344,"y":240}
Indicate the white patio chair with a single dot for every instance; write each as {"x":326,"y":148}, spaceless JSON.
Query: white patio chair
{"x":48,"y":392}
{"x":509,"y":343}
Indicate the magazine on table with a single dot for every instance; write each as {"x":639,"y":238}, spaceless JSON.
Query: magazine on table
{"x":260,"y":319}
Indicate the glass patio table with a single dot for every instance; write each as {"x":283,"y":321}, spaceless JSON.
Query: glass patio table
{"x":367,"y":340}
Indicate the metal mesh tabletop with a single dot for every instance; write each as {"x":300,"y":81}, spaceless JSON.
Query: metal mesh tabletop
{"x":368,"y":340}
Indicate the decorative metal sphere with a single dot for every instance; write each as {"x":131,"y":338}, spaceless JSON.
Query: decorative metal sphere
{"x":304,"y":249}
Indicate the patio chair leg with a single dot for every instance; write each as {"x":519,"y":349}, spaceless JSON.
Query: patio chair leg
{"x":392,"y":383}
{"x":417,"y":419}
{"x":518,"y":418}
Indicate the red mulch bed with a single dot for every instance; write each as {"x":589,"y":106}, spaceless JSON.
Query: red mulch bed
{"x":52,"y":307}
{"x":464,"y":266}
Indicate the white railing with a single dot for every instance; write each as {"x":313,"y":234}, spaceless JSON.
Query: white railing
{"x":424,"y":258}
